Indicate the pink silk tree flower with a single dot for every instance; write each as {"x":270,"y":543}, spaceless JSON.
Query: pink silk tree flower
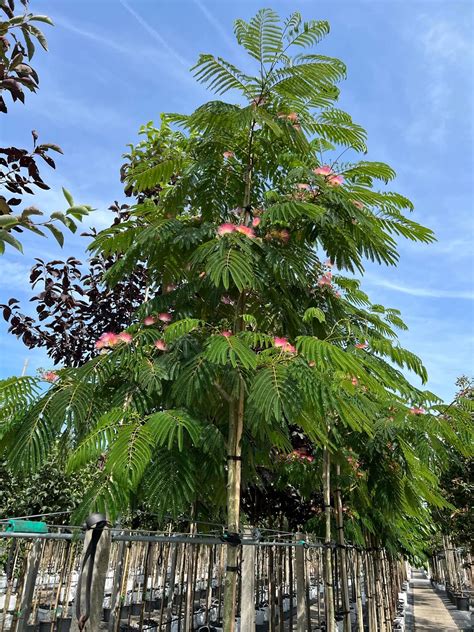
{"x":292,"y":116}
{"x":246,"y":230}
{"x":325,"y":170}
{"x":228,"y":154}
{"x":50,"y":376}
{"x":325,"y":280}
{"x":358,"y":204}
{"x":417,"y":411}
{"x":108,"y":339}
{"x":149,"y":320}
{"x":289,"y":348}
{"x":165,"y":317}
{"x":335,"y":181}
{"x":226,"y":333}
{"x":303,"y":186}
{"x":161,"y":345}
{"x":361,"y":345}
{"x":280,"y":342}
{"x":354,"y":380}
{"x":256,"y":221}
{"x":226,"y":229}
{"x":124,"y":336}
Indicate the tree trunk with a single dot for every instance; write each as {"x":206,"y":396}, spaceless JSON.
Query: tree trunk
{"x":328,"y":579}
{"x":300,"y":587}
{"x":236,"y":422}
{"x":358,"y":592}
{"x":99,"y":573}
{"x":343,"y":556}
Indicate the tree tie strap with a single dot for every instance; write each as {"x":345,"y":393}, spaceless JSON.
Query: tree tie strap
{"x":234,"y":457}
{"x":96,"y":523}
{"x":232,"y":538}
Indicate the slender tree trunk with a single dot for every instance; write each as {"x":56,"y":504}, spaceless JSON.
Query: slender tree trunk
{"x":328,"y":578}
{"x":236,"y":423}
{"x":358,"y":592}
{"x":343,"y":555}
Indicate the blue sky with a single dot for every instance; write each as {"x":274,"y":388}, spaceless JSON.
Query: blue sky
{"x":116,"y":64}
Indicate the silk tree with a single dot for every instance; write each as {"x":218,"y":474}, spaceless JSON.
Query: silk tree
{"x":246,"y":330}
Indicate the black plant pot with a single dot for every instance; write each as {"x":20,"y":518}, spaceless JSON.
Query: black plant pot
{"x":462,"y":603}
{"x":63,"y":625}
{"x":136,"y":609}
{"x":106,"y":614}
{"x":124,"y":612}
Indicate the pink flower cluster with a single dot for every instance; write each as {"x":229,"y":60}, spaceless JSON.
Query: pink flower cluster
{"x":109,"y":339}
{"x":226,"y":229}
{"x":164,"y":317}
{"x":284,"y":345}
{"x":226,"y":333}
{"x":361,"y":345}
{"x":228,"y":154}
{"x":161,"y":345}
{"x":331,"y":178}
{"x":417,"y":411}
{"x":50,"y":376}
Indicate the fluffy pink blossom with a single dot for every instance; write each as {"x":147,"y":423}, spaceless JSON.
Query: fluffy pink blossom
{"x":227,"y":300}
{"x":335,"y":181}
{"x":149,"y":320}
{"x":161,"y":345}
{"x":358,"y":204}
{"x":284,"y":235}
{"x":226,"y":333}
{"x":50,"y":376}
{"x":165,"y":317}
{"x":108,"y":339}
{"x":124,"y":336}
{"x":246,"y":230}
{"x":303,"y":186}
{"x":417,"y":411}
{"x":337,"y":294}
{"x":354,"y":380}
{"x":328,"y":263}
{"x":256,"y":221}
{"x":361,"y":345}
{"x":282,"y":343}
{"x":325,"y":280}
{"x":226,"y":229}
{"x":228,"y":154}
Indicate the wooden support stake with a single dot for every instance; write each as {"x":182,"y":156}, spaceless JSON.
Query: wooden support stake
{"x":247,"y":621}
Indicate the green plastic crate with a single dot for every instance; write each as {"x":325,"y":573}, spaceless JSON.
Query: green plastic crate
{"x":26,"y":526}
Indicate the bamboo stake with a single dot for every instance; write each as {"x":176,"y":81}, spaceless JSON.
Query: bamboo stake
{"x":328,"y":577}
{"x":342,"y":556}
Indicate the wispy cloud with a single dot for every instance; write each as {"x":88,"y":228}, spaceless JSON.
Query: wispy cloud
{"x":14,"y":275}
{"x":156,"y":35}
{"x":99,"y":38}
{"x":420,"y":291}
{"x":223,"y":32}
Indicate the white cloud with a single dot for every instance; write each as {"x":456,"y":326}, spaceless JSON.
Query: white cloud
{"x":14,"y":275}
{"x":154,"y":33}
{"x":420,"y":291}
{"x":445,"y":42}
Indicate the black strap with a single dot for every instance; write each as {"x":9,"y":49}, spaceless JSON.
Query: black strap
{"x":97,"y":529}
{"x":232,"y":569}
{"x":231,"y":537}
{"x":233,"y":457}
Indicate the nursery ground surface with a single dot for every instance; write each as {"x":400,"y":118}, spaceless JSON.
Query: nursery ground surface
{"x":433,"y":612}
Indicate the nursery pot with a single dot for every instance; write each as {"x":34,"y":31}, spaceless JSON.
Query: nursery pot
{"x":106,"y":615}
{"x":462,"y":603}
